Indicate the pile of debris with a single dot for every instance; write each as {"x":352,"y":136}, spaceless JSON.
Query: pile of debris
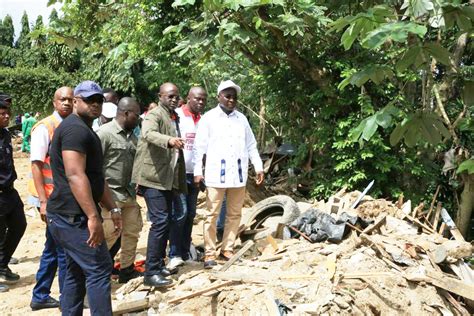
{"x":393,"y":260}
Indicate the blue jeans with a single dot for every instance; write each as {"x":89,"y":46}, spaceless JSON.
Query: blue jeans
{"x":159,"y":204}
{"x":86,"y":267}
{"x":221,"y":220}
{"x":182,"y":217}
{"x":53,"y":257}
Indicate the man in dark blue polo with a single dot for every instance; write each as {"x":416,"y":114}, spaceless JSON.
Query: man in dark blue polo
{"x":73,"y":212}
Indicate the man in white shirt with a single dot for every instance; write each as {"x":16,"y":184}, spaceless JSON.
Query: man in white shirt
{"x":40,"y":187}
{"x":225,"y":137}
{"x":184,"y":205}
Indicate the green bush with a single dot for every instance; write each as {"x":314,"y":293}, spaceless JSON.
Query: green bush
{"x":32,"y":89}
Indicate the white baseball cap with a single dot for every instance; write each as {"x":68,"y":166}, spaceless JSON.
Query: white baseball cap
{"x":109,"y":110}
{"x":226,"y":85}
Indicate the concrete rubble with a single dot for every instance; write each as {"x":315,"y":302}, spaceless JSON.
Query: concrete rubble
{"x":405,"y":262}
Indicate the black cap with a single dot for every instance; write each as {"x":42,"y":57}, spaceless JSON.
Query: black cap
{"x":5,"y":97}
{"x":4,"y":104}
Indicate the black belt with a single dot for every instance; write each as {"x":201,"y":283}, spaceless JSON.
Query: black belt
{"x":70,"y":218}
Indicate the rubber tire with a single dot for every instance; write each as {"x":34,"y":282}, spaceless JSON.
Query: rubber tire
{"x":290,"y":209}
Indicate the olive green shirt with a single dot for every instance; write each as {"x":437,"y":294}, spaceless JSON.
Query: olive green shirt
{"x":119,"y":148}
{"x":156,"y":165}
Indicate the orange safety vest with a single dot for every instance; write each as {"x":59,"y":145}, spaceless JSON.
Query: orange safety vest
{"x":51,"y":123}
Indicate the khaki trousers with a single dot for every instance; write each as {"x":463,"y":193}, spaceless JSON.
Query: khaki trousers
{"x":235,"y":201}
{"x":132,"y":224}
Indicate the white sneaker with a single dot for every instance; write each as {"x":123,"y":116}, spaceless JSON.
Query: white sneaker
{"x":174,"y":263}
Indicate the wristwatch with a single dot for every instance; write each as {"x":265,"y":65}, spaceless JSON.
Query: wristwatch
{"x":116,"y":210}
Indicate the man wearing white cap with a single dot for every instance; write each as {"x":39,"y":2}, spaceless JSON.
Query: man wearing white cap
{"x":109,"y":110}
{"x":225,"y":137}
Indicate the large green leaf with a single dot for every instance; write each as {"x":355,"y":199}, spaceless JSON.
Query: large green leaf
{"x":468,"y":93}
{"x":178,"y":3}
{"x":438,"y":52}
{"x":370,"y":128}
{"x":417,"y":8}
{"x":421,"y":126}
{"x":361,"y":24}
{"x":351,"y":34}
{"x":467,"y":165}
{"x":408,"y":58}
{"x":396,"y":31}
{"x":376,"y":73}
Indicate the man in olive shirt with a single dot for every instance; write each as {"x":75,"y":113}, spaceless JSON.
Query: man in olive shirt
{"x":119,"y":145}
{"x":159,"y":170}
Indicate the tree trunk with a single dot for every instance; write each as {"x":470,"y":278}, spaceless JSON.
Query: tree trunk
{"x":463,"y":218}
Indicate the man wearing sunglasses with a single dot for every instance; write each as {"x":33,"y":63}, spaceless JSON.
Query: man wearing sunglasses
{"x":159,"y":172}
{"x":73,"y":212}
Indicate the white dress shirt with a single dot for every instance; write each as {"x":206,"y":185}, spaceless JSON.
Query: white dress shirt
{"x":39,"y":144}
{"x":228,"y":143}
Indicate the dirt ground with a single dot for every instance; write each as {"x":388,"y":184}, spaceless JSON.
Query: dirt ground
{"x":17,"y":300}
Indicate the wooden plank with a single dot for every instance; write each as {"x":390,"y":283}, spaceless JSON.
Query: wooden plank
{"x":246,"y":246}
{"x":273,"y":243}
{"x":445,"y":282}
{"x":238,"y":277}
{"x":417,"y":222}
{"x":271,"y":304}
{"x":417,"y":209}
{"x":436,"y":218}
{"x":455,"y":303}
{"x":200,"y":292}
{"x":457,"y":234}
{"x":442,"y":228}
{"x":379,"y":222}
{"x":279,"y":256}
{"x":375,"y":274}
{"x":433,"y":202}
{"x":130,"y":306}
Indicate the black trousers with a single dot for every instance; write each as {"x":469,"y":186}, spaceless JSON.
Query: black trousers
{"x":159,"y":204}
{"x":12,"y":224}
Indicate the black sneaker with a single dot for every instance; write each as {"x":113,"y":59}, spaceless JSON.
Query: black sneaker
{"x":8,"y":277}
{"x":127,"y":274}
{"x":49,"y":303}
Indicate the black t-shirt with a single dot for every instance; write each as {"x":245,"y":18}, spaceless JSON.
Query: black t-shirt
{"x":7,"y":168}
{"x":74,"y":134}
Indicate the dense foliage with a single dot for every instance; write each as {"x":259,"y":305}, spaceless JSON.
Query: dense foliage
{"x":365,"y":89}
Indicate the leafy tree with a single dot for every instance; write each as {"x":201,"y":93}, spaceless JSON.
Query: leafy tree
{"x":369,"y":108}
{"x":23,"y":41}
{"x":7,"y":31}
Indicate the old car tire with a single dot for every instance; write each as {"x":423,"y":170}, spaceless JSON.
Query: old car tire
{"x":279,"y":205}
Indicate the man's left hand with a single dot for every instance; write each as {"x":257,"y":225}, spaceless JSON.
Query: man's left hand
{"x":43,"y":211}
{"x":260,"y":177}
{"x":117,"y":219}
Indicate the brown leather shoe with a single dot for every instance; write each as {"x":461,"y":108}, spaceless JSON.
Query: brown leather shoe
{"x":226,"y":255}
